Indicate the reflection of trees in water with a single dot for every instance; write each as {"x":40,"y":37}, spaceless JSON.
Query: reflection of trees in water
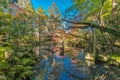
{"x":50,"y":69}
{"x":106,"y":72}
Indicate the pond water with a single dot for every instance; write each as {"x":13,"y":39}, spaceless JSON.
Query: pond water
{"x":111,"y":72}
{"x":64,"y":69}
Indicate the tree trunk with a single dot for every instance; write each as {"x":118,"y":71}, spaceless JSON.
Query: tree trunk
{"x":94,"y":43}
{"x":115,"y":12}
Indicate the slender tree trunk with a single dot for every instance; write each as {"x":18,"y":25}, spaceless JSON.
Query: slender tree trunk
{"x":115,"y":12}
{"x":94,"y":44}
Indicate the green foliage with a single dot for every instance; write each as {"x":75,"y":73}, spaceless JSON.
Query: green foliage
{"x":3,"y":49}
{"x":25,"y":61}
{"x":96,"y":8}
{"x":5,"y":18}
{"x":4,"y":65}
{"x":20,"y":33}
{"x":26,"y":73}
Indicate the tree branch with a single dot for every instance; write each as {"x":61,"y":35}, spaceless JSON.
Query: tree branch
{"x":87,"y":24}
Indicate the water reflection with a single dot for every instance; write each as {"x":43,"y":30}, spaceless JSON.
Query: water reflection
{"x":64,"y":69}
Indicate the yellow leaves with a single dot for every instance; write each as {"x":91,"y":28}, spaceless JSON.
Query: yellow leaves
{"x":29,"y":9}
{"x":104,"y":15}
{"x":107,"y":7}
{"x":40,"y":15}
{"x":40,"y":12}
{"x":4,"y":15}
{"x":5,"y":18}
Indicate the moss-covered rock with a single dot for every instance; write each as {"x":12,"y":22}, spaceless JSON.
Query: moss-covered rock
{"x":89,"y":56}
{"x":103,"y":57}
{"x":112,"y":59}
{"x":114,"y":62}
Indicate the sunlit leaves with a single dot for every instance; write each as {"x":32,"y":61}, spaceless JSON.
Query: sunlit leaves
{"x":54,"y":11}
{"x":107,"y":9}
{"x":40,"y":16}
{"x":29,"y":10}
{"x":5,"y":18}
{"x":89,"y":8}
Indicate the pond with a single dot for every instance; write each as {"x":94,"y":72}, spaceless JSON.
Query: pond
{"x":111,"y":72}
{"x":64,"y":69}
